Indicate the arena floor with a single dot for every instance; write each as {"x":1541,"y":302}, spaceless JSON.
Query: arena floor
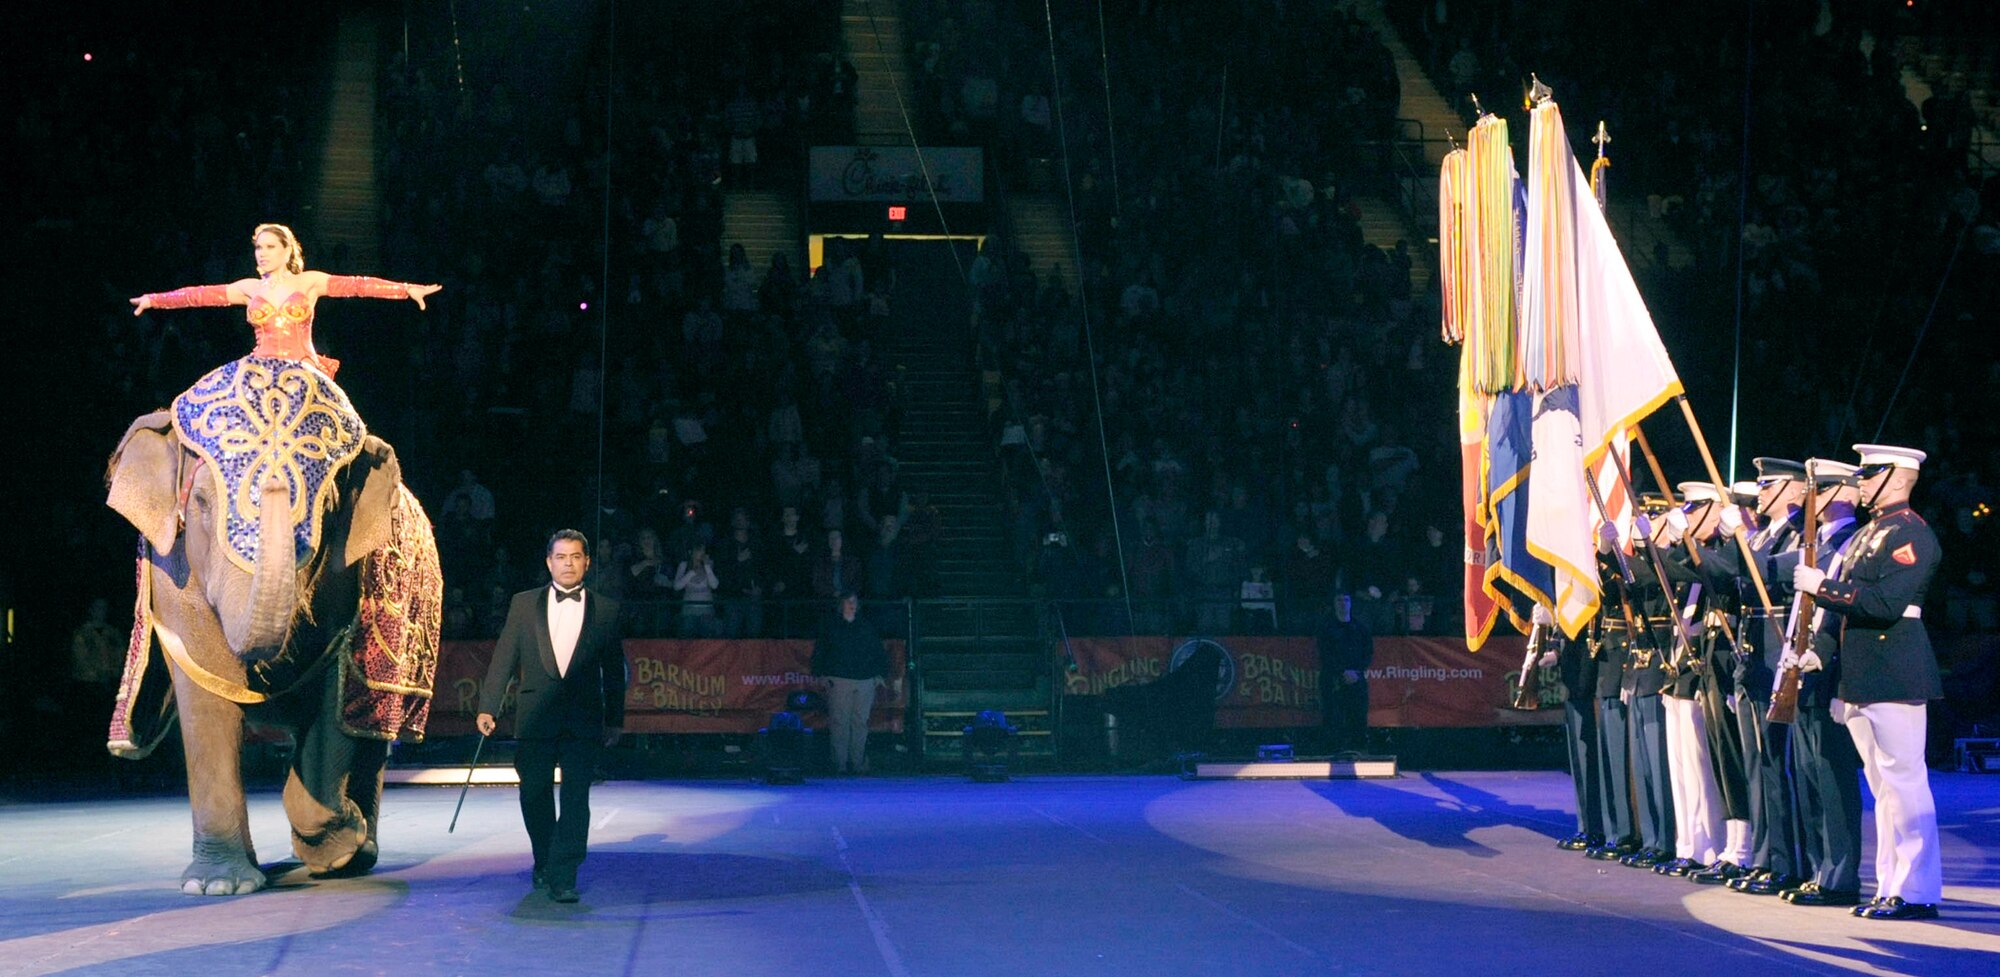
{"x":1446,"y":874}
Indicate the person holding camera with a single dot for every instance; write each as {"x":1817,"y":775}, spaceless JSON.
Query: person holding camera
{"x":695,"y":581}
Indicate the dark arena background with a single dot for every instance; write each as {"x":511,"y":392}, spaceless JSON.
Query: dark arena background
{"x":1093,"y":343}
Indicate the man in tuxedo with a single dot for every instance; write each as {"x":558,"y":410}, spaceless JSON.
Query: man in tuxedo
{"x":562,"y":647}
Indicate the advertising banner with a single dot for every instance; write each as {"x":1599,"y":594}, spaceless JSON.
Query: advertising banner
{"x":851,"y":174}
{"x":693,"y":686}
{"x":1272,"y":682}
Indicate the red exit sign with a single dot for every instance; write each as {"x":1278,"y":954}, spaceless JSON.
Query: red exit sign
{"x":899,"y":213}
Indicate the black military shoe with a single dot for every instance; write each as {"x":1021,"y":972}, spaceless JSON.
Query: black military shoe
{"x":1862,"y":908}
{"x":1579,"y":842}
{"x":1828,"y":897}
{"x":1748,"y":877}
{"x":563,"y":893}
{"x":1612,"y":853}
{"x":1645,"y":858}
{"x":1721,"y":873}
{"x":1769,"y":885}
{"x":1679,"y":867}
{"x":1895,"y":908}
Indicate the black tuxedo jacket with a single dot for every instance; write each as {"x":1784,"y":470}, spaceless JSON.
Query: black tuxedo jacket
{"x":584,"y":701}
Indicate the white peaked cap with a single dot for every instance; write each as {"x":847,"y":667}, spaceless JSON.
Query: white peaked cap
{"x":1827,"y":467}
{"x":1692,"y":492}
{"x":1889,"y":454}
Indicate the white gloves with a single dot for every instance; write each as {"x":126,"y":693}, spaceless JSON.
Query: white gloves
{"x":1808,"y":662}
{"x":1806,"y":578}
{"x":1679,"y":520}
{"x":1548,"y":660}
{"x":1540,"y":615}
{"x":1732,"y":520}
{"x":1607,"y":537}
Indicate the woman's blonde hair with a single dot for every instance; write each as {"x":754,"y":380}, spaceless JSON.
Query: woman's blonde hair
{"x":297,"y":262}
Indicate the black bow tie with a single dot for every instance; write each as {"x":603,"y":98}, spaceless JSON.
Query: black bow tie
{"x":562,"y":595}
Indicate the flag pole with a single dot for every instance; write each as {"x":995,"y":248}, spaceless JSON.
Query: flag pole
{"x":1722,"y":491}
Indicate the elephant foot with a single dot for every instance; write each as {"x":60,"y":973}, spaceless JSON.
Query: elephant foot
{"x":360,"y":864}
{"x":221,"y":870}
{"x":336,"y":848}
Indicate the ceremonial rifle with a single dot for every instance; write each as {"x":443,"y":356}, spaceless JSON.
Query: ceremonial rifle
{"x":1785,"y":698}
{"x":1525,"y":697}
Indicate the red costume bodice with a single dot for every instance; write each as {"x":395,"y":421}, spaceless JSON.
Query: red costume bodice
{"x":284,"y":331}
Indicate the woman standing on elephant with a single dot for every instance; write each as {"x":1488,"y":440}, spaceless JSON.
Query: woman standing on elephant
{"x":282,"y":296}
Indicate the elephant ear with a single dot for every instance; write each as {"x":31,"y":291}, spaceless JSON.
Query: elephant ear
{"x":373,"y":479}
{"x":140,"y":479}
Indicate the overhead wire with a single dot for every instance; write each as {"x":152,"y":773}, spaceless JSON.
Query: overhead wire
{"x":1083,"y":305}
{"x":964,"y":278}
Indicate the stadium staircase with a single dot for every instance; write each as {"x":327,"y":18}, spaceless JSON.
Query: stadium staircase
{"x":349,"y":206}
{"x":1038,"y":226}
{"x":765,"y":222}
{"x":1969,"y":63}
{"x":873,"y":31}
{"x":979,"y":643}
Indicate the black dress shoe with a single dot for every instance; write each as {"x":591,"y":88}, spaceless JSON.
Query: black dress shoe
{"x":1578,"y":842}
{"x":1679,"y":867}
{"x":1895,"y":908}
{"x":1813,"y":894}
{"x":1769,"y":885}
{"x":1862,"y":908}
{"x":563,"y":893}
{"x":1644,"y":858}
{"x":1748,"y":877}
{"x":1718,"y":874}
{"x":1612,"y":853}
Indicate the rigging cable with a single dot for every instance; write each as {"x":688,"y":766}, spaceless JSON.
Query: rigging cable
{"x":1083,"y":310}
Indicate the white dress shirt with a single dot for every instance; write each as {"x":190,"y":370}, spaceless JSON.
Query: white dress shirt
{"x":565,"y":623}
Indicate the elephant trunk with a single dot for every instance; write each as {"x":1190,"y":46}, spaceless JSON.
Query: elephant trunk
{"x":274,"y":586}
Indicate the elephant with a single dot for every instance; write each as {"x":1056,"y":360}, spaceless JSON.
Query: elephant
{"x":275,"y":643}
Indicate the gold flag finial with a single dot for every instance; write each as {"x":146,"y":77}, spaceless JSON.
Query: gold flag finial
{"x":1538,"y":93}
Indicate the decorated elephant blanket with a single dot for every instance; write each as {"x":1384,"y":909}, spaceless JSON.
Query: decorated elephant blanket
{"x":390,"y":662}
{"x":261,"y":418}
{"x":387,"y":656}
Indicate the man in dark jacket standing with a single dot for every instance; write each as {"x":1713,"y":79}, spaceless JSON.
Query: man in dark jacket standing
{"x":1346,"y":649}
{"x":850,"y":660}
{"x":561,"y":645}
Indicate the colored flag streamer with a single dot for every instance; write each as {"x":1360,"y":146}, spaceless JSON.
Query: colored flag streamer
{"x":1561,"y":359}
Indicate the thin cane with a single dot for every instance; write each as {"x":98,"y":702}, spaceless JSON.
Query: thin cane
{"x":469,"y":768}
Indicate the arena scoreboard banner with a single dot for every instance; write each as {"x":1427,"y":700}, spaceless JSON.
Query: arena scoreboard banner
{"x":895,"y":174}
{"x":692,"y":686}
{"x":1273,"y":682}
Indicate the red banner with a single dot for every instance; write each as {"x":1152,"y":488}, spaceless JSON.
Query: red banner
{"x":696,"y":686}
{"x":1270,"y":682}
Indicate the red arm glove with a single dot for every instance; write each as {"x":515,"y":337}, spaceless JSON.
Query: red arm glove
{"x":193,"y":296}
{"x":361,"y":286}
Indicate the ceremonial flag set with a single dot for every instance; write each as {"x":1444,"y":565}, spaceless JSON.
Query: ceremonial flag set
{"x":1559,"y":361}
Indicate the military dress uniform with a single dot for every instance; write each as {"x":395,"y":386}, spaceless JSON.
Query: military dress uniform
{"x":1643,"y":681}
{"x":1772,"y":813}
{"x":1888,"y":675}
{"x":1824,"y":762}
{"x":1578,"y":667}
{"x":1697,"y":799}
{"x":1610,"y":646}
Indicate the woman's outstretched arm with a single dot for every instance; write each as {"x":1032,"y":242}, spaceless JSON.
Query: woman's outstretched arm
{"x":192,"y":297}
{"x":362,"y":286}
